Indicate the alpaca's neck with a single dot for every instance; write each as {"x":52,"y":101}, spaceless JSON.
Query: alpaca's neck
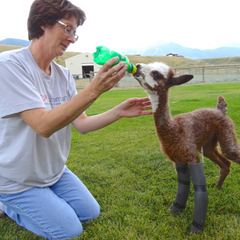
{"x":160,"y":106}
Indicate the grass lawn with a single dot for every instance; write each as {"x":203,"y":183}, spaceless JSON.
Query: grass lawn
{"x":135,"y":184}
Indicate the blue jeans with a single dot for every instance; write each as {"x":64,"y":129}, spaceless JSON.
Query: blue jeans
{"x":54,"y":212}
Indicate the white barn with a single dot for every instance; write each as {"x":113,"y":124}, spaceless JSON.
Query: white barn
{"x":81,"y":65}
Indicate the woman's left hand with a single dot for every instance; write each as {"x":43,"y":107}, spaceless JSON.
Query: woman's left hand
{"x":135,"y":107}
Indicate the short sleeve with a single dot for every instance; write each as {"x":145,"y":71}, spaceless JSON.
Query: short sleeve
{"x":17,"y":91}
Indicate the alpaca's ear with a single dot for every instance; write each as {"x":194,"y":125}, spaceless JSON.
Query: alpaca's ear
{"x":179,"y":79}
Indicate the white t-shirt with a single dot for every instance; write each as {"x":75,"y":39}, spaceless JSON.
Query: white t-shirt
{"x":27,"y":159}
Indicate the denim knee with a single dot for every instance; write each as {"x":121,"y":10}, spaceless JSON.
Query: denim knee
{"x":92,"y":214}
{"x":74,"y":231}
{"x":96,"y":211}
{"x":71,"y":229}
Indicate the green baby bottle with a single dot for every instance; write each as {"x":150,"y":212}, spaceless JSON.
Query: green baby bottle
{"x":103,"y":54}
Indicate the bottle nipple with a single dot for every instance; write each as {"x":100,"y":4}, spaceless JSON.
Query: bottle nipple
{"x":134,"y":70}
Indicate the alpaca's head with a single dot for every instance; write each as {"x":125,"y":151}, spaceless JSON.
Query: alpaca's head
{"x":158,"y":76}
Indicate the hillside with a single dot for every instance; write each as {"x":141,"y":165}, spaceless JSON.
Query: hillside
{"x":60,"y":60}
{"x":171,"y":61}
{"x":7,"y":47}
{"x":162,"y":49}
{"x":183,"y":62}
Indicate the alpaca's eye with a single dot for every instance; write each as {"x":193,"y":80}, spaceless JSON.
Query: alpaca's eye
{"x":156,"y":74}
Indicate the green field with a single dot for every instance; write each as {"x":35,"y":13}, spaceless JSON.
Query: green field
{"x":135,"y":184}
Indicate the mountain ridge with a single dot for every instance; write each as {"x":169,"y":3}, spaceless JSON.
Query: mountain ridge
{"x":162,"y":49}
{"x":15,"y":42}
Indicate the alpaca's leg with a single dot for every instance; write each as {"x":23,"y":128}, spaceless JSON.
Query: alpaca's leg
{"x":183,"y":189}
{"x":210,"y":151}
{"x":228,"y":141}
{"x":200,"y":196}
{"x":224,"y":165}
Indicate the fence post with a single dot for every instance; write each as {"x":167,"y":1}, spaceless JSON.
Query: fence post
{"x":91,"y":76}
{"x":203,"y":73}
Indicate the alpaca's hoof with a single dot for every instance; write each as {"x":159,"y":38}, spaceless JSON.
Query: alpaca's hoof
{"x":176,"y":208}
{"x":196,"y":227}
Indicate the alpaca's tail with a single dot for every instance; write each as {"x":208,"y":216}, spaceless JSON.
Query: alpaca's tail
{"x":222,"y":105}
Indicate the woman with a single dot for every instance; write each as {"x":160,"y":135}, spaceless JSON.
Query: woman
{"x":38,"y":104}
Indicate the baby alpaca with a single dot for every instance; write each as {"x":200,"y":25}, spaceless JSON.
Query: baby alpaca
{"x":184,"y":135}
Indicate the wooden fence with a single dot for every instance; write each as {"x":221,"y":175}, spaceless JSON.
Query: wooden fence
{"x":202,"y":74}
{"x":210,"y":70}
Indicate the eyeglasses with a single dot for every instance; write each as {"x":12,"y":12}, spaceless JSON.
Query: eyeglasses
{"x":69,"y":30}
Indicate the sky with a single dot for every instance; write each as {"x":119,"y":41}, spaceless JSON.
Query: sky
{"x":126,"y":24}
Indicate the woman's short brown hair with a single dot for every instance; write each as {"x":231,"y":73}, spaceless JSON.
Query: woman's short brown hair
{"x":48,"y":12}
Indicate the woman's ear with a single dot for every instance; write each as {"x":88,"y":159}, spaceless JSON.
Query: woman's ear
{"x":43,"y":28}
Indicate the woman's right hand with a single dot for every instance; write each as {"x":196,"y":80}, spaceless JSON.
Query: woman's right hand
{"x":45,"y":123}
{"x":107,"y":77}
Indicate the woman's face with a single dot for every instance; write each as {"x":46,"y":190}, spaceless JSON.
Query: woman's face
{"x":56,"y":37}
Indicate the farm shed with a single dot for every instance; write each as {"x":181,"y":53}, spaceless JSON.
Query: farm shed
{"x":81,"y":65}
